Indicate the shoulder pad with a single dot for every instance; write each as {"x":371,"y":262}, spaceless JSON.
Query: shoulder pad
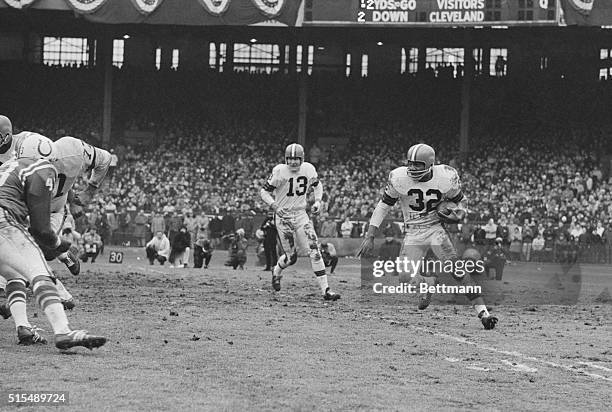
{"x":447,"y":177}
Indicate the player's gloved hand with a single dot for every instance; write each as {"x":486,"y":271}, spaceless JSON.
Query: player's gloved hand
{"x":316,"y":208}
{"x":82,"y":198}
{"x":366,"y":246}
{"x":76,"y":211}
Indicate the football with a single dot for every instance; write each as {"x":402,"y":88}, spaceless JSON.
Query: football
{"x":446,"y":207}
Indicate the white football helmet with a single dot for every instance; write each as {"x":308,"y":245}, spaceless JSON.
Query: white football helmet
{"x":294,"y":156}
{"x":6,"y":131}
{"x":36,"y":146}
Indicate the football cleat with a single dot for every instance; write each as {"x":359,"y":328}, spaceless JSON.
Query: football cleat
{"x":276,"y":284}
{"x":5,"y":311}
{"x":488,"y":322}
{"x":425,"y":298}
{"x":329,"y":295}
{"x":78,"y":338}
{"x":29,"y":336}
{"x":276,"y":278}
{"x":72,"y":263}
{"x":68,"y":304}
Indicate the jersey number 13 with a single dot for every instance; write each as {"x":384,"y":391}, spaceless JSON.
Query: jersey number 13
{"x":300,"y":186}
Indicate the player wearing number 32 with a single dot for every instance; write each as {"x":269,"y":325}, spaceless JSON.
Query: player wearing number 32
{"x":286,"y":193}
{"x":421,"y":187}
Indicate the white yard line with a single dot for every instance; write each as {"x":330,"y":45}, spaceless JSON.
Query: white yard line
{"x":146,"y":269}
{"x":570,"y":368}
{"x":594,"y":365}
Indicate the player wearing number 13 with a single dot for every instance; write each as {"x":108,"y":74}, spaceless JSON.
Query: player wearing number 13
{"x":421,"y":187}
{"x":286,"y":193}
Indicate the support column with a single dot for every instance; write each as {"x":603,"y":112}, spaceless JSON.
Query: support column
{"x":466,"y":92}
{"x":292,"y":57}
{"x":105,"y":60}
{"x":282,"y":58}
{"x":229,"y":57}
{"x":305,"y":47}
{"x":302,"y":105}
{"x":91,"y":51}
{"x":422,"y":57}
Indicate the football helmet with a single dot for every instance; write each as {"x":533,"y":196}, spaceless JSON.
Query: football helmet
{"x":36,"y":146}
{"x":294,"y":156}
{"x":421,"y":159}
{"x":6,"y":133}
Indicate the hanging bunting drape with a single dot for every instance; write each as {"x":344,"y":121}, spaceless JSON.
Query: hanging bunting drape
{"x":175,"y":12}
{"x":270,"y":8}
{"x":215,"y":7}
{"x":86,"y":6}
{"x":19,"y":4}
{"x":146,"y":6}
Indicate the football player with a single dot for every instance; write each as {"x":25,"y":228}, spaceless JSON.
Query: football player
{"x":72,"y":158}
{"x":38,"y":146}
{"x":26,"y":189}
{"x":420,"y":187}
{"x":285,"y":192}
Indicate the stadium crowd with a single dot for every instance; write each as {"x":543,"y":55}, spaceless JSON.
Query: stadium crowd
{"x":539,"y":182}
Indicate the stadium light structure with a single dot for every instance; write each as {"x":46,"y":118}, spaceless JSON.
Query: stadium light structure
{"x":253,"y":40}
{"x":126,"y":36}
{"x":379,"y":43}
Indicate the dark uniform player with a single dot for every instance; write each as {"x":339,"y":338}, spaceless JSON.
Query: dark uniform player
{"x":270,"y":237}
{"x":26,"y":188}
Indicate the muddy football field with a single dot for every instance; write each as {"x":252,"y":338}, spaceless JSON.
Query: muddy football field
{"x":219,"y":339}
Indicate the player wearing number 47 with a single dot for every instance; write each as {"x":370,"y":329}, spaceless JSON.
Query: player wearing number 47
{"x":429,"y":195}
{"x":286,"y":193}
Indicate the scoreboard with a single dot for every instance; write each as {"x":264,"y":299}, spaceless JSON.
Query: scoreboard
{"x":446,"y":13}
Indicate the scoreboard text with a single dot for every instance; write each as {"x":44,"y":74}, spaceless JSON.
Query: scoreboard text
{"x":434,"y":12}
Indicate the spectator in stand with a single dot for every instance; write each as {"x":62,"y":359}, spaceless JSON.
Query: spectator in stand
{"x":175,"y":223}
{"x":158,"y":249}
{"x":346,"y":228}
{"x":527,"y":234}
{"x":158,"y":224}
{"x":328,"y":227}
{"x":490,"y":232}
{"x":202,"y":222}
{"x":516,"y":242}
{"x":216,"y":230}
{"x":191,"y":223}
{"x":537,"y":247}
{"x":140,"y":232}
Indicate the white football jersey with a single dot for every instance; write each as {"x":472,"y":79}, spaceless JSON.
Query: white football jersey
{"x":419,"y":200}
{"x":13,"y":150}
{"x":72,"y":158}
{"x":291,"y":188}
